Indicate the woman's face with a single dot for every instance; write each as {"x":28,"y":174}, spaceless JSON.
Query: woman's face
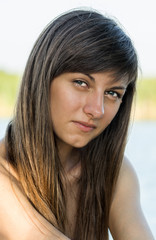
{"x":83,"y":105}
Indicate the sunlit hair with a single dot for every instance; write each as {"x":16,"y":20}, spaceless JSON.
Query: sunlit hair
{"x":79,"y":41}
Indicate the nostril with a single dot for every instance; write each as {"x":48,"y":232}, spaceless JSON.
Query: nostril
{"x":94,"y":104}
{"x":93,"y":109}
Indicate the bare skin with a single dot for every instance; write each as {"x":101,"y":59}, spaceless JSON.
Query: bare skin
{"x":19,"y":220}
{"x":127,"y":221}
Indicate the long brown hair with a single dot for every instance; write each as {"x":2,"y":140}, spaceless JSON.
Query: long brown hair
{"x":78,"y":41}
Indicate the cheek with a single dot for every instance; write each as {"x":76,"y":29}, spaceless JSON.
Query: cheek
{"x":110,"y":113}
{"x":114,"y":111}
{"x":63,"y":104}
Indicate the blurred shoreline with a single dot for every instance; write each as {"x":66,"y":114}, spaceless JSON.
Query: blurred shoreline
{"x":144,"y":106}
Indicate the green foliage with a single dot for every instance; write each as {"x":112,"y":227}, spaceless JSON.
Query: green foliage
{"x":146,"y":90}
{"x":145,"y":98}
{"x":8,"y":88}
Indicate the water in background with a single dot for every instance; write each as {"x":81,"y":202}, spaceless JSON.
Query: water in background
{"x":141,"y":150}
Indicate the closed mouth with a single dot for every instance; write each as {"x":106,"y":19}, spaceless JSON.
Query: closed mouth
{"x":85,"y":124}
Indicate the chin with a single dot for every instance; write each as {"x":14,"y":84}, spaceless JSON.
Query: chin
{"x":80,"y":144}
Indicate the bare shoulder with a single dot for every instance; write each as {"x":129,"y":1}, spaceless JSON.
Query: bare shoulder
{"x":13,"y":206}
{"x":128,"y":179}
{"x":127,"y":221}
{"x":18,"y":218}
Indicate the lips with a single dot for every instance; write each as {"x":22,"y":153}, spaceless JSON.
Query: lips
{"x":84,"y":126}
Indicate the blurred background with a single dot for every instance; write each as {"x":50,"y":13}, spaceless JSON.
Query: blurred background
{"x":21,"y":21}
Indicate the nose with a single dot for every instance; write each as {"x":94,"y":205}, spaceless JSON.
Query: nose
{"x":94,"y":105}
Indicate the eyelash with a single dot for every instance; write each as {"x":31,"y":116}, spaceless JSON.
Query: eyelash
{"x":118,"y":95}
{"x":80,"y":82}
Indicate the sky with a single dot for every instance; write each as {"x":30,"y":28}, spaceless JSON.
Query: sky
{"x":21,"y":21}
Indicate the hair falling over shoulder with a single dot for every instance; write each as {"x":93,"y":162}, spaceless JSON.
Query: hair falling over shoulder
{"x":78,"y":41}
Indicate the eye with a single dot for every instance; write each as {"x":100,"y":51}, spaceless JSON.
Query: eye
{"x":80,"y":83}
{"x":113,"y":95}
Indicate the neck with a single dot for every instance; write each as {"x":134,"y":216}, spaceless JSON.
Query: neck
{"x":68,"y":155}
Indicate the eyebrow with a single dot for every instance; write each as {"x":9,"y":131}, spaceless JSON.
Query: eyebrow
{"x":91,"y":78}
{"x":113,"y":88}
{"x":118,"y":88}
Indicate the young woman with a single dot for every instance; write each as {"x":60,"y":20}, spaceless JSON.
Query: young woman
{"x":63,"y":174}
